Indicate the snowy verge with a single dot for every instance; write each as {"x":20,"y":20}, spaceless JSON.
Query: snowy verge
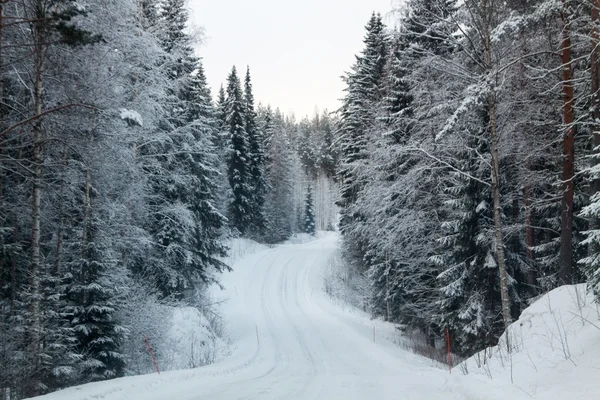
{"x":240,"y":248}
{"x":346,"y":291}
{"x":554,"y":352}
{"x":193,"y":336}
{"x":554,"y":346}
{"x":192,"y":341}
{"x":185,"y":339}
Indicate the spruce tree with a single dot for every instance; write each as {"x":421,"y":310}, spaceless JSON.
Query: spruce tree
{"x":92,"y":295}
{"x":239,"y":158}
{"x":279,"y":175}
{"x":203,"y":186}
{"x":185,"y":223}
{"x":362,"y":92}
{"x":256,"y":162}
{"x":221,"y":120}
{"x":357,"y":117}
{"x":309,"y":212}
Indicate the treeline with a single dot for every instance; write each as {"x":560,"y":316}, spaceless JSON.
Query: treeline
{"x":468,"y":169}
{"x":274,"y":164}
{"x":120,"y":177}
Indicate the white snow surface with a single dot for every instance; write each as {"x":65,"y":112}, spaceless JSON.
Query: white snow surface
{"x":293,"y":342}
{"x":132,"y":117}
{"x":555,"y":352}
{"x":190,"y":341}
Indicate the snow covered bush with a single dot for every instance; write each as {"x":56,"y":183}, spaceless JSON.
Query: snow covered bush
{"x":345,"y":284}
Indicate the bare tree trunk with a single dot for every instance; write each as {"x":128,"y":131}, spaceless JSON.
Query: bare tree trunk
{"x":566,"y":236}
{"x":527,"y":191}
{"x":87,"y":205}
{"x":38,"y":159}
{"x":504,"y":292}
{"x":529,"y":233}
{"x":61,"y":222}
{"x":595,"y":125}
{"x":2,"y":98}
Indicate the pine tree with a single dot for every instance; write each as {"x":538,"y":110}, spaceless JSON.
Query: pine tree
{"x":256,"y":162}
{"x":204,"y":169}
{"x":309,"y":212}
{"x":279,"y":205}
{"x":362,"y":92}
{"x":91,"y":294}
{"x":185,"y":223}
{"x":221,"y":118}
{"x":239,"y":160}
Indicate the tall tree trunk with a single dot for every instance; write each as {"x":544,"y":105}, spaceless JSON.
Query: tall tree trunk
{"x":527,"y":191}
{"x":595,"y":125}
{"x":1,"y":98}
{"x":566,"y":237}
{"x":504,"y":292}
{"x":61,"y":212}
{"x":38,"y":159}
{"x":492,"y":102}
{"x":529,"y":233}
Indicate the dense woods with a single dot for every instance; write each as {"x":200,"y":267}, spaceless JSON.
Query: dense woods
{"x":120,"y":179}
{"x":464,"y":164}
{"x":468,"y":166}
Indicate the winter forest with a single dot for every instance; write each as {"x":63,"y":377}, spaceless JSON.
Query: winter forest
{"x":120,"y":178}
{"x":461,"y":171}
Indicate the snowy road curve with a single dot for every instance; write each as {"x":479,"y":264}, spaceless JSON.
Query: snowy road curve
{"x":292,"y":342}
{"x":307,"y":348}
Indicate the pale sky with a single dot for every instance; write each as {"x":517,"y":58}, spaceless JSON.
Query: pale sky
{"x":297,"y":49}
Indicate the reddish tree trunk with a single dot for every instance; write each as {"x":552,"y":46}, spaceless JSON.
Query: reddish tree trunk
{"x":566,"y":242}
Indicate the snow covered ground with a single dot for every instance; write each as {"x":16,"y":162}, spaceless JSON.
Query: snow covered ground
{"x":293,"y":342}
{"x":555,"y":352}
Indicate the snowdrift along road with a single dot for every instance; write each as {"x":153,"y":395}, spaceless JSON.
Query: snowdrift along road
{"x":291,"y":343}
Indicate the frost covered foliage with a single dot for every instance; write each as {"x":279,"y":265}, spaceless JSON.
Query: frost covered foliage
{"x":346,"y":285}
{"x":460,"y":161}
{"x":114,"y":189}
{"x":107,"y":185}
{"x":297,"y":155}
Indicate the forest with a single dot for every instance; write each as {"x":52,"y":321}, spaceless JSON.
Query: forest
{"x":469,"y":144}
{"x":120,"y":179}
{"x":462,"y":171}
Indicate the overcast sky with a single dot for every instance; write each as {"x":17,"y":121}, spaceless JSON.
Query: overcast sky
{"x":296,"y":49}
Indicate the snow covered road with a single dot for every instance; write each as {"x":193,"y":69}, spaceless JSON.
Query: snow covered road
{"x":306,"y":348}
{"x":291,"y":342}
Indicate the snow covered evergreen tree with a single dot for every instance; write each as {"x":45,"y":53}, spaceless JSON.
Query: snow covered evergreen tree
{"x":362,"y":92}
{"x":204,"y":169}
{"x":357,"y":117}
{"x":279,"y":205}
{"x":92,"y":294}
{"x":256,"y":161}
{"x":239,"y":158}
{"x":309,"y":212}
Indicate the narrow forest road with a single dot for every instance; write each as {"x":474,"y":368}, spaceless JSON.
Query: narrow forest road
{"x":291,"y":342}
{"x":298,"y":345}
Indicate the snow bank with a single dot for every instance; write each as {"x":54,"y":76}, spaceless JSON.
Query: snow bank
{"x":555,"y":351}
{"x":240,"y":248}
{"x":191,"y":341}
